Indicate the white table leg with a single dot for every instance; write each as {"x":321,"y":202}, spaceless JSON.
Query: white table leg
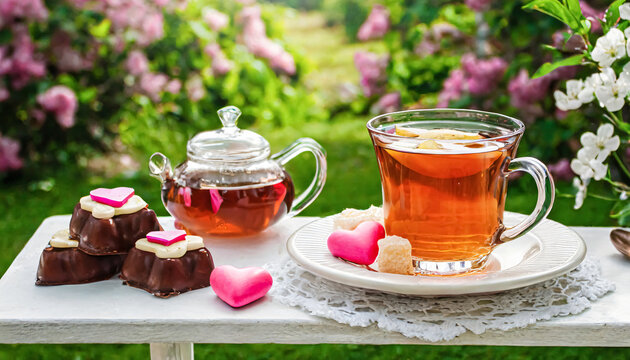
{"x":172,"y":351}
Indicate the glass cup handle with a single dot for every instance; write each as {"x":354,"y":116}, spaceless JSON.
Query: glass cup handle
{"x":315,"y":188}
{"x":546,"y":192}
{"x":160,"y":167}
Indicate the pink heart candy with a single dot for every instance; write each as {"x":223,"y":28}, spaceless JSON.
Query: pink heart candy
{"x":215,"y":200}
{"x":359,"y":245}
{"x":166,"y":238}
{"x":115,"y":197}
{"x":239,"y":287}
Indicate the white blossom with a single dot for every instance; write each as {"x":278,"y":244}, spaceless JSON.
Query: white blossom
{"x":612,"y":91}
{"x":581,"y":187}
{"x":586,"y":166}
{"x":624,"y":11}
{"x":587,"y":94}
{"x":603,"y":143}
{"x":623,"y":195}
{"x":609,"y":48}
{"x":570,"y":100}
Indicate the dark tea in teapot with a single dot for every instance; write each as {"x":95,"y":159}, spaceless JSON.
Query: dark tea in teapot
{"x":228,"y":211}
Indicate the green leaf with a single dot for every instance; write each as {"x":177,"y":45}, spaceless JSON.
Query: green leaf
{"x":612,"y":14}
{"x":201,"y":30}
{"x":555,"y":9}
{"x":101,"y":30}
{"x":574,"y":8}
{"x":546,"y":68}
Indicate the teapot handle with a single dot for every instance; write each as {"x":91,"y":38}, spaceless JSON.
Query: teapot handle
{"x":315,"y":188}
{"x":160,"y":167}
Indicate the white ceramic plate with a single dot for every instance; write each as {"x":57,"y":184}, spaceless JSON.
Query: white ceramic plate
{"x":549,"y":250}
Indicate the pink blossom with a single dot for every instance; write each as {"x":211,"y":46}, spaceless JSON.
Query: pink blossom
{"x":561,"y":170}
{"x":372,"y":70}
{"x":151,"y":84}
{"x":195,"y":88}
{"x":525,"y":91}
{"x":28,"y":9}
{"x":593,"y":16}
{"x":68,"y":59}
{"x":173,"y":86}
{"x":453,"y":88}
{"x":161,"y":3}
{"x":152,"y":29}
{"x":256,"y":41}
{"x":4,"y":94}
{"x":23,"y":65}
{"x":376,"y":24}
{"x":215,"y":19}
{"x":220,"y":63}
{"x":137,"y":63}
{"x":387,"y":103}
{"x":482,"y":76}
{"x":62,"y":101}
{"x":478,"y":5}
{"x":9,"y":154}
{"x":574,"y":44}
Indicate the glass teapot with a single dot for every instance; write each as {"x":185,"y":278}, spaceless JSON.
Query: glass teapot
{"x":229,"y":185}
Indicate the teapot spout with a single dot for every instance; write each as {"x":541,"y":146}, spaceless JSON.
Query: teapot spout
{"x":160,"y":167}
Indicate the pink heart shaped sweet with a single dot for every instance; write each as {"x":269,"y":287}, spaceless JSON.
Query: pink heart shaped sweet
{"x":115,"y":197}
{"x":359,"y":245}
{"x":166,"y":238}
{"x":239,"y":287}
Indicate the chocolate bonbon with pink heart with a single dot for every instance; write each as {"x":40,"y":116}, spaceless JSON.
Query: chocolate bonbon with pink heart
{"x":168,"y":263}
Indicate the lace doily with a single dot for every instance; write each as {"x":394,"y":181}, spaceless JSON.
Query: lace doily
{"x":437,"y":319}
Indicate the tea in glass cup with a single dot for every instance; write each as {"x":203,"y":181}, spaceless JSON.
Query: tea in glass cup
{"x":444,"y":180}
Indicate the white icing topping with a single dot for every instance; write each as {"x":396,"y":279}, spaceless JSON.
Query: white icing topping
{"x":61,"y":239}
{"x":102,"y":211}
{"x":173,"y":251}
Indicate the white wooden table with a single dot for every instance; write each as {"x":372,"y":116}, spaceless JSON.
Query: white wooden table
{"x":107,"y":312}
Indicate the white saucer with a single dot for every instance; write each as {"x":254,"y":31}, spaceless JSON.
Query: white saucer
{"x":549,"y":250}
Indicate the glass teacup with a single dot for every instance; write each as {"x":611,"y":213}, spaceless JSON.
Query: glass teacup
{"x":444,"y":178}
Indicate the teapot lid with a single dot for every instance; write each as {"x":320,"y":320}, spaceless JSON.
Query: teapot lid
{"x":229,"y":143}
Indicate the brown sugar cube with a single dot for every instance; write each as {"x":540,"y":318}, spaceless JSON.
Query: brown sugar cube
{"x":395,"y":255}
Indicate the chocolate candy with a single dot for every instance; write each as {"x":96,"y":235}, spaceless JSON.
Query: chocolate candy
{"x":59,"y":266}
{"x":165,"y":277}
{"x":110,"y":236}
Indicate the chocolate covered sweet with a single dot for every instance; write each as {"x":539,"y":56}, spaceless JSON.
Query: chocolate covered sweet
{"x":103,"y":229}
{"x":166,"y":264}
{"x":63,"y":263}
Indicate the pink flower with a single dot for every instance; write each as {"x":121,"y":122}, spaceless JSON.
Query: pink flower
{"x":387,"y":103}
{"x":62,"y":101}
{"x":220,"y":63}
{"x":4,"y":94}
{"x":482,"y":76}
{"x":161,"y":3}
{"x":68,"y":59}
{"x":195,"y":88}
{"x":27,"y":9}
{"x":152,"y":28}
{"x":23,"y":65}
{"x":478,"y":5}
{"x":256,"y":41}
{"x":372,"y":70}
{"x":525,"y":91}
{"x":152,"y":84}
{"x":9,"y":154}
{"x":376,"y":24}
{"x":561,"y":170}
{"x":173,"y":86}
{"x":137,"y":63}
{"x":215,"y":19}
{"x":453,"y":88}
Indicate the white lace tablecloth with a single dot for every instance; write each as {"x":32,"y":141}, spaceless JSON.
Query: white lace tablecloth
{"x":438,"y":319}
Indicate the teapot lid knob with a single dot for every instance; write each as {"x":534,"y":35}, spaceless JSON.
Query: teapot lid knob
{"x":229,"y":115}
